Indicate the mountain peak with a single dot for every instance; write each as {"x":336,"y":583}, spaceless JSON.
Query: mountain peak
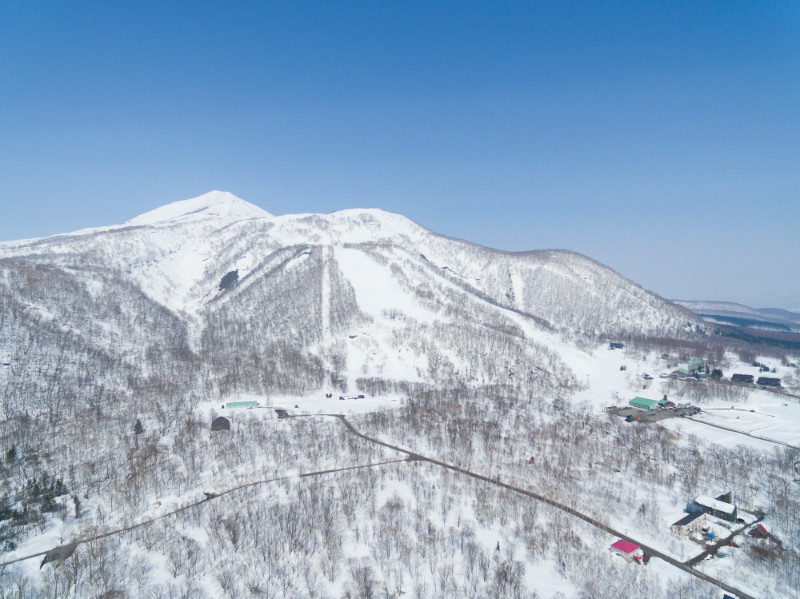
{"x":212,"y":204}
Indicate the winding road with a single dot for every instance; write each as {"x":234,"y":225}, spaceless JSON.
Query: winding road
{"x":411,"y":456}
{"x":686,"y":567}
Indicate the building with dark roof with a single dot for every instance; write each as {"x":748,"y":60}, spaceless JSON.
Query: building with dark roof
{"x":221,"y":424}
{"x":768,"y":381}
{"x":689,"y":524}
{"x":714,"y":507}
{"x":742,"y":378}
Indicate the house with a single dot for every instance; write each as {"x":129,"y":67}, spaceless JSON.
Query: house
{"x":768,"y":381}
{"x":643,"y":403}
{"x":714,"y":507}
{"x":689,"y":524}
{"x":742,"y":378}
{"x":628,"y":550}
{"x":220,"y":424}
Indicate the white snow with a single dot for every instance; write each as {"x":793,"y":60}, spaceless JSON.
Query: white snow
{"x":212,"y":204}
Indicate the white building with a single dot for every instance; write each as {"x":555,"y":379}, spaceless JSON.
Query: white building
{"x":689,"y":524}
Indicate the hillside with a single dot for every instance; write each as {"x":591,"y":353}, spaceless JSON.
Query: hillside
{"x":320,"y":300}
{"x":469,"y":456}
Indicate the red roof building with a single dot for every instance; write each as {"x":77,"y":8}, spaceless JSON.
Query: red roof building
{"x":630,"y":551}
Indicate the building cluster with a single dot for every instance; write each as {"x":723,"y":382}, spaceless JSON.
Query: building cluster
{"x":695,"y":522}
{"x":764,"y":381}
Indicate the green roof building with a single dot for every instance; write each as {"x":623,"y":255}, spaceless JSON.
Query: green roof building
{"x":691,"y":367}
{"x":643,"y":403}
{"x":241,"y":404}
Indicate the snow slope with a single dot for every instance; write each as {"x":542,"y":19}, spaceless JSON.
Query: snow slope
{"x":359,"y":294}
{"x":221,"y":205}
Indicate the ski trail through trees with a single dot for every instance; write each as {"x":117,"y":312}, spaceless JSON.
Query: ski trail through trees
{"x":326,"y":292}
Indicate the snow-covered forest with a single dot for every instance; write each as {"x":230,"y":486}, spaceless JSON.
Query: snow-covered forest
{"x":120,"y":345}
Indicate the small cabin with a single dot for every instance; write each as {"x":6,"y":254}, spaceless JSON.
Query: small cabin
{"x":220,"y":424}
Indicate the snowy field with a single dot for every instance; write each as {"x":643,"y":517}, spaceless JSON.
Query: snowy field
{"x":766,"y":418}
{"x":300,"y":405}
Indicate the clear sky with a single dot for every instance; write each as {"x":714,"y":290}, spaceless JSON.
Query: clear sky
{"x":662,"y":139}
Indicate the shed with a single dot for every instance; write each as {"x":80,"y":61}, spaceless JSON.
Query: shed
{"x":643,"y":403}
{"x":628,"y":550}
{"x":221,"y":424}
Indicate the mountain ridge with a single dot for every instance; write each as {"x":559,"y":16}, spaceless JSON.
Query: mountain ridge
{"x":347,"y":297}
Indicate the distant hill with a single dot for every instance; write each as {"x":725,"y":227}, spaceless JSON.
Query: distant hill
{"x":744,"y":316}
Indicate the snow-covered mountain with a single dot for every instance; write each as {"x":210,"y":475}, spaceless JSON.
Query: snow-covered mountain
{"x":119,"y":344}
{"x":348,"y":299}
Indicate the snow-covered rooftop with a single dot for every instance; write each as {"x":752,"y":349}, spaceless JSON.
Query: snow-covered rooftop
{"x":715,"y":504}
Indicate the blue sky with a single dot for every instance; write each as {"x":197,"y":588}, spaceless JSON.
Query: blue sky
{"x":662,"y":139}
